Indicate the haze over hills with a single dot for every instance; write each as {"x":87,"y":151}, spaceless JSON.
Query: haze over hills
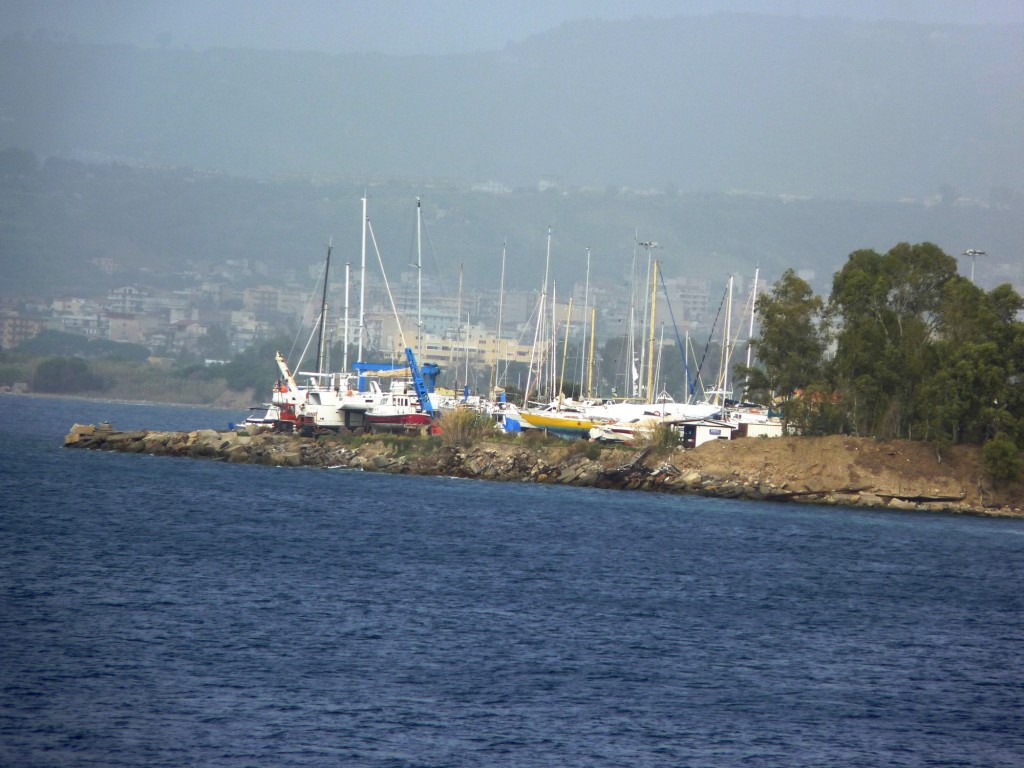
{"x":59,"y":219}
{"x":734,"y":140}
{"x":775,"y":105}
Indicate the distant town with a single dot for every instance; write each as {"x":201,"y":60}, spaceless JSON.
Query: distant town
{"x":225,"y":316}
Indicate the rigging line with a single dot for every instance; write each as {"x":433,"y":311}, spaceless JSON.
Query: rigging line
{"x":624,"y":351}
{"x":711,"y":334}
{"x":309,"y":305}
{"x":675,"y":328}
{"x":533,"y":348}
{"x":739,"y":329}
{"x":415,"y":260}
{"x":313,"y":333}
{"x":688,"y":342}
{"x":321,"y":341}
{"x":442,"y":284}
{"x":519,"y":340}
{"x":387,"y":286}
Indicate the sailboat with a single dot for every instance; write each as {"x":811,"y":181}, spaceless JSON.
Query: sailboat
{"x":407,"y":402}
{"x":558,"y":417}
{"x":326,"y":400}
{"x":334,"y":400}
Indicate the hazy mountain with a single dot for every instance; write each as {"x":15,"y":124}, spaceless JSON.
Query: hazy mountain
{"x":818,"y":107}
{"x":69,"y":228}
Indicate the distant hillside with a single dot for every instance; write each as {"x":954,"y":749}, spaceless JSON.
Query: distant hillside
{"x":71,"y":228}
{"x":824,"y":108}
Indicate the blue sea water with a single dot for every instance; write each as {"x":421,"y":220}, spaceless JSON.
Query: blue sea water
{"x":172,"y":612}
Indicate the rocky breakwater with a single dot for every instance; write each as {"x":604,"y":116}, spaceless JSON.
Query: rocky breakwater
{"x":836,"y":470}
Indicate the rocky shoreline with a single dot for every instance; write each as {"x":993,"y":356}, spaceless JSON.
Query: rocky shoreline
{"x":854,"y":473}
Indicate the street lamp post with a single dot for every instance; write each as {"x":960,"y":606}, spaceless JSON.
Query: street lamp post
{"x":974,"y":254}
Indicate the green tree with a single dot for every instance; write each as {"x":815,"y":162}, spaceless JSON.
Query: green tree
{"x":792,"y":336}
{"x":790,"y":349}
{"x":60,"y":344}
{"x":65,"y":375}
{"x":887,"y":310}
{"x":254,"y":369}
{"x":974,"y":390}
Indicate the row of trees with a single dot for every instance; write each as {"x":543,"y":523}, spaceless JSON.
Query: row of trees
{"x":903,"y":347}
{"x":63,"y":363}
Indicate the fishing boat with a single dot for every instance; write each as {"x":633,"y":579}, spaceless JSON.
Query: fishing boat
{"x":288,"y":397}
{"x":341,"y":404}
{"x":400,"y":408}
{"x":326,"y":401}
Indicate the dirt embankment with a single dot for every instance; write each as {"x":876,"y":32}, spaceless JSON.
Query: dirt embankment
{"x":829,"y":470}
{"x":895,"y":469}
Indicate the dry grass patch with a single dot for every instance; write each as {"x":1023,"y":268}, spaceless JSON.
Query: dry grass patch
{"x":463,"y":427}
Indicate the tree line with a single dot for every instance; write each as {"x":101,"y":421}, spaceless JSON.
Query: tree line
{"x":902,"y":347}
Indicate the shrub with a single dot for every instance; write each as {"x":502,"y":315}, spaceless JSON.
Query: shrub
{"x":65,"y":375}
{"x":583,"y":448}
{"x":399,"y":445}
{"x":462,"y":427}
{"x":662,"y":437}
{"x":1002,"y":458}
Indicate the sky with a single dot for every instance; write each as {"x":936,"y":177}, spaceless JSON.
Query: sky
{"x":408,"y":27}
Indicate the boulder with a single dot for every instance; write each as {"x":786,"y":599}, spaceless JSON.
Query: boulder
{"x":692,"y":478}
{"x":898,"y":503}
{"x":238,"y":454}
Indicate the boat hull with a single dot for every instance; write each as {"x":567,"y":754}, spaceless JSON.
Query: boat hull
{"x":397,"y":420}
{"x":561,"y":425}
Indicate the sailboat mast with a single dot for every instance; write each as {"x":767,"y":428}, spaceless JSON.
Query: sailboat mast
{"x":419,"y":277}
{"x":649,"y":288}
{"x":650,"y":357}
{"x":657,"y":375}
{"x":632,"y":377}
{"x":565,"y":348}
{"x":362,"y":285}
{"x":727,"y":345}
{"x":458,"y":322}
{"x":643,"y":319}
{"x":586,"y":306}
{"x":348,"y":272}
{"x":539,"y":342}
{"x":590,"y":361}
{"x":690,"y":386}
{"x":553,"y":376}
{"x":532,"y":352}
{"x":750,"y":334}
{"x":321,"y":342}
{"x":466,"y":348}
{"x":541,"y":318}
{"x":501,"y":298}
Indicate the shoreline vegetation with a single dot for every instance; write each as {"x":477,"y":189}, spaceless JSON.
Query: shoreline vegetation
{"x":833,"y":470}
{"x":229,"y":400}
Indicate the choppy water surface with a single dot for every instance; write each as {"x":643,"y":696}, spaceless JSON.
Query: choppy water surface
{"x":170,"y":612}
